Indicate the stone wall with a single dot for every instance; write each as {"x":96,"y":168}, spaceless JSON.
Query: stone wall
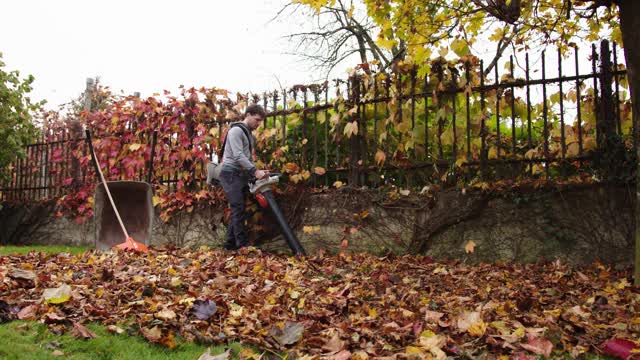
{"x":579,"y":225}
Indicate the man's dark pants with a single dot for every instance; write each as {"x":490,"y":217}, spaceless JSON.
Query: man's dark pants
{"x":236,"y":185}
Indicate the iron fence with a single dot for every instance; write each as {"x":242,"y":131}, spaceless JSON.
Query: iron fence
{"x":401,"y":127}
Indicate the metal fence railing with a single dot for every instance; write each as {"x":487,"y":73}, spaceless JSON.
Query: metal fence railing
{"x":402,"y":127}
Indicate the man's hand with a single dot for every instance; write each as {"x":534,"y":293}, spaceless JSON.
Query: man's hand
{"x":261,"y":174}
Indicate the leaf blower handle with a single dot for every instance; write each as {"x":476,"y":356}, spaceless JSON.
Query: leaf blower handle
{"x":104,"y":183}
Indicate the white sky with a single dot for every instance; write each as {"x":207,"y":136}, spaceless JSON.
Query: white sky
{"x":148,"y":46}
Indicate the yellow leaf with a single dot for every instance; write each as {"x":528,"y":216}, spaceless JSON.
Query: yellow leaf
{"x":156,"y":200}
{"x":134,"y":147}
{"x":373,"y":313}
{"x":335,"y":119}
{"x":319,"y":170}
{"x":573,"y":149}
{"x":493,"y":153}
{"x":519,"y":332}
{"x":380,"y":157}
{"x":470,"y":247}
{"x":291,"y":168}
{"x":477,"y":329}
{"x":296,"y":178}
{"x":460,"y":47}
{"x":338,"y":184}
{"x":412,"y":350}
{"x":235,"y":310}
{"x":175,"y":281}
{"x":308,"y":229}
{"x":622,"y":284}
{"x":187,"y":301}
{"x":351,"y":128}
{"x":294,"y":294}
{"x":57,"y":295}
{"x":165,"y":315}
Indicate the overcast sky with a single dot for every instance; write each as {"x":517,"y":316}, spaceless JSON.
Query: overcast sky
{"x":148,"y":46}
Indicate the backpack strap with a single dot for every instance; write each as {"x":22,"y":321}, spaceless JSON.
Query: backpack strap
{"x":246,"y":133}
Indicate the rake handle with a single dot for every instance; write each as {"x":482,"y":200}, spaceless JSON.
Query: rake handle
{"x":106,"y":188}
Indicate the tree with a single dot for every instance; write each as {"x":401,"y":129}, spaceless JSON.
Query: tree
{"x":425,"y":24}
{"x":337,"y":32}
{"x":16,"y":126}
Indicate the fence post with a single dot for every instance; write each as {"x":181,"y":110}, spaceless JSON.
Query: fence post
{"x":606,"y":122}
{"x":76,"y":133}
{"x":190,"y":165}
{"x":354,"y":157}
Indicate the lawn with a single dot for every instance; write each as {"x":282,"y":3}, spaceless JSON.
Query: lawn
{"x":34,"y":339}
{"x":49,"y":249}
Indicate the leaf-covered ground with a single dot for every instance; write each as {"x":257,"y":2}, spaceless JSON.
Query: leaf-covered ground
{"x":358,"y":306}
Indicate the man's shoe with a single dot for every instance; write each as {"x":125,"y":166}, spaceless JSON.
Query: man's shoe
{"x":230,"y":247}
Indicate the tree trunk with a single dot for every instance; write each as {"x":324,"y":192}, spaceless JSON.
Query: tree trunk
{"x":629,"y":25}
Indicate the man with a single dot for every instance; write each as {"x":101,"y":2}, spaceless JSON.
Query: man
{"x":237,"y":169}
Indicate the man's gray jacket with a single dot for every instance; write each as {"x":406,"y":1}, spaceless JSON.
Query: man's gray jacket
{"x":237,"y":151}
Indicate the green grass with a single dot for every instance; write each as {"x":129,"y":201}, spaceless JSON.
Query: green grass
{"x":31,"y":343}
{"x":49,"y":249}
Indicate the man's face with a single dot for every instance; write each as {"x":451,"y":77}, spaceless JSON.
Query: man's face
{"x":254,"y":121}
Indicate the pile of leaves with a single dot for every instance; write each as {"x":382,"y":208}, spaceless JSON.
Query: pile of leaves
{"x":339,"y":306}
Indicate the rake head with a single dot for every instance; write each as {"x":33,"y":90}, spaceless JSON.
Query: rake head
{"x":132,"y":245}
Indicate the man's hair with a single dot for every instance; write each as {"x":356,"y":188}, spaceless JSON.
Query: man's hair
{"x":255,"y":109}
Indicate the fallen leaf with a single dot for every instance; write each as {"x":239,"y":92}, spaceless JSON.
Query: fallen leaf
{"x":57,"y":295}
{"x":166,"y":315}
{"x":204,"y":309}
{"x":470,"y":246}
{"x":289,"y":334}
{"x":80,"y":331}
{"x":432,"y":316}
{"x":342,"y":355}
{"x":22,"y":274}
{"x":154,"y":334}
{"x":620,"y":348}
{"x":334,"y":345}
{"x":115,"y":329}
{"x":27,"y":313}
{"x":538,"y":346}
{"x":467,"y":319}
{"x":207,"y":355}
{"x":52,"y":345}
{"x":308,"y":229}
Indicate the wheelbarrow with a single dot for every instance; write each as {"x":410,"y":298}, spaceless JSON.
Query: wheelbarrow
{"x":135,"y":206}
{"x":117,"y":227}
